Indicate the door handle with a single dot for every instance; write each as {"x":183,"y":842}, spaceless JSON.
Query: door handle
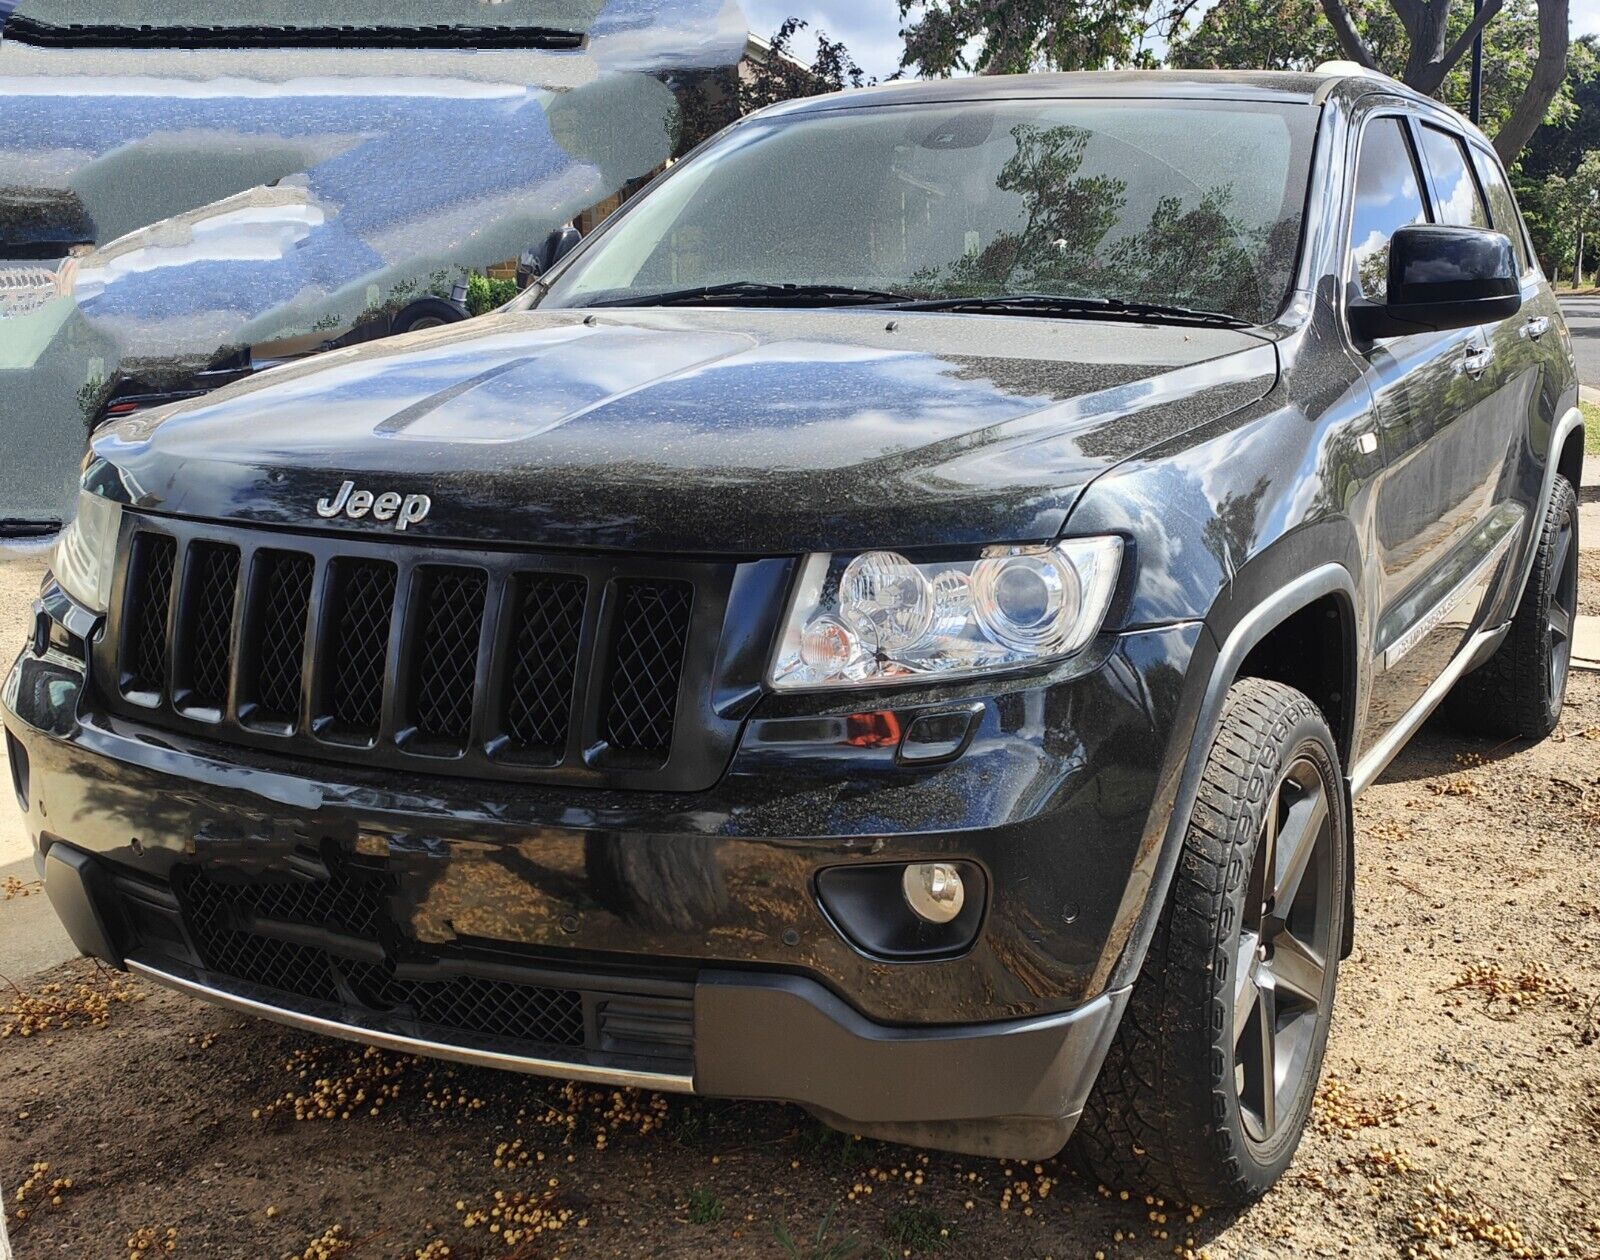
{"x":1536,"y":326}
{"x":1475,"y":361}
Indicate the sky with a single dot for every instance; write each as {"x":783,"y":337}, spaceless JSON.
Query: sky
{"x":871,"y":28}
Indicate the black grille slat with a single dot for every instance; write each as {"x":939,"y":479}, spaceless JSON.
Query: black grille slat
{"x":445,"y":656}
{"x":360,"y":645}
{"x":650,"y":637}
{"x":579,"y":668}
{"x":281,"y":645}
{"x":544,"y":664}
{"x":208,"y":622}
{"x":144,"y":645}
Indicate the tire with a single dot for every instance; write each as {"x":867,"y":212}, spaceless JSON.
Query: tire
{"x":1178,"y":1110}
{"x":428,"y":312}
{"x":1517,"y":692}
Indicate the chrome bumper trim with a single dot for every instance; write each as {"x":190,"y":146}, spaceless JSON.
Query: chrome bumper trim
{"x":663,"y":1082}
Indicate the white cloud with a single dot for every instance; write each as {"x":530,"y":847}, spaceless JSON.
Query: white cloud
{"x":869,"y":28}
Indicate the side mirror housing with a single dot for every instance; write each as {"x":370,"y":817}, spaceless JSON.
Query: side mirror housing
{"x":1442,"y":277}
{"x":537,"y":261}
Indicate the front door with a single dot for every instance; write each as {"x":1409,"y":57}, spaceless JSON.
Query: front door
{"x":1442,"y":421}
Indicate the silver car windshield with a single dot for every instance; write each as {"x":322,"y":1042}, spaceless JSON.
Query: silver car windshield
{"x":1193,"y":204}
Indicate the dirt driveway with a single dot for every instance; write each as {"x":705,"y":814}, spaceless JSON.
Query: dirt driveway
{"x":1460,"y":1117}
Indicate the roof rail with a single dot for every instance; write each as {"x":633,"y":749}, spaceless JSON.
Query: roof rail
{"x":1350,"y":67}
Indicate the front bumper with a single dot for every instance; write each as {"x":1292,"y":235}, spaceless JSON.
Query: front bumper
{"x":691,"y":915}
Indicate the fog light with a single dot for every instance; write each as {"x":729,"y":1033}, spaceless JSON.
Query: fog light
{"x":934,"y":891}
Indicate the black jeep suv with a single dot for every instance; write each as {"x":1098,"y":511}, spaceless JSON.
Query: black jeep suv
{"x":894,"y":622}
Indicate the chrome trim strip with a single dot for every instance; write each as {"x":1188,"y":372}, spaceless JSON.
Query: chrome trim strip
{"x":1377,"y":757}
{"x":1431,"y":620}
{"x":664,"y":1082}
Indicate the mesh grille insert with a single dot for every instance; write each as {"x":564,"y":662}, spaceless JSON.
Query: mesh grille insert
{"x":494,"y":1008}
{"x":651,"y":633}
{"x":212,"y":911}
{"x":360,"y":646}
{"x":445,"y":657}
{"x":280,"y":651}
{"x":208,"y":621}
{"x":544,"y":663}
{"x":226,"y":919}
{"x":144,"y":645}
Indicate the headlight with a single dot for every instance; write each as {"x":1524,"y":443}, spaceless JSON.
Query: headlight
{"x":85,"y":552}
{"x":879,"y":618}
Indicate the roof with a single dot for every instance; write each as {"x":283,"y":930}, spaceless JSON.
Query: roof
{"x":1309,"y":87}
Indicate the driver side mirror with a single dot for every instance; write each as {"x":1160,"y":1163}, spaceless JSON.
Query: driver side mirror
{"x":537,"y":261}
{"x":1442,"y":277}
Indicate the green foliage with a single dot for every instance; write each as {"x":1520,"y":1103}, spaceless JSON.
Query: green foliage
{"x":484,"y":294}
{"x":1560,"y":209}
{"x":1016,"y":36}
{"x":714,"y":100}
{"x":1591,"y":428}
{"x":818,"y":1247}
{"x":704,"y":1207}
{"x":1296,"y":35}
{"x":835,"y":1151}
{"x":915,"y":1228}
{"x":1558,"y":146}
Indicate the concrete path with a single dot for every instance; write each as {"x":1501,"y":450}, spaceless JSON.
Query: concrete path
{"x":1583,"y":318}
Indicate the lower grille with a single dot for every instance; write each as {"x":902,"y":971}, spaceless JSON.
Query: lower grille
{"x":491,"y":1008}
{"x":504,"y":666}
{"x":331,"y":939}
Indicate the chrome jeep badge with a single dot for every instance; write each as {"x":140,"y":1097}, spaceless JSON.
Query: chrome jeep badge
{"x":403,"y":510}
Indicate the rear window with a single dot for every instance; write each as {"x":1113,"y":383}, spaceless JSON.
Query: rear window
{"x":1460,"y":203}
{"x":1502,"y":205}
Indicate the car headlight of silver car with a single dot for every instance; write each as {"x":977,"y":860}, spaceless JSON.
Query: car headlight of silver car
{"x":85,"y":552}
{"x":878,"y":618}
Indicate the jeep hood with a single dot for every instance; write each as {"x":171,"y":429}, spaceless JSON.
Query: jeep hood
{"x":738,"y":432}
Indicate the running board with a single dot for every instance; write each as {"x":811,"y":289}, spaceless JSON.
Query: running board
{"x":1377,"y":758}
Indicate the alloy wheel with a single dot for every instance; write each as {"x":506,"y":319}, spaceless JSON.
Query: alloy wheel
{"x":1285,"y":949}
{"x":1563,"y":607}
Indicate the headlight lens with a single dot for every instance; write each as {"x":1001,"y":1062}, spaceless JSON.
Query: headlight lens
{"x":85,"y":552}
{"x":879,"y":618}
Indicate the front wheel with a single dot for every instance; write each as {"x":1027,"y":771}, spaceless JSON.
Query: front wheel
{"x":1205,"y":1092}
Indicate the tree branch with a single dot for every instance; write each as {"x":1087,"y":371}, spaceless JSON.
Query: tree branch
{"x":1344,"y":29}
{"x":1548,"y":72}
{"x":1458,"y":50}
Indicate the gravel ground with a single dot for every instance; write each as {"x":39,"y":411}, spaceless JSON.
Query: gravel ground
{"x":1459,"y":1115}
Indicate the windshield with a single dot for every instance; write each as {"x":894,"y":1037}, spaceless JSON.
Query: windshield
{"x":1154,"y":201}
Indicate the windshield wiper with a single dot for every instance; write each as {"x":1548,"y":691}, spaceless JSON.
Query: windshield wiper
{"x":759,"y":293}
{"x":1075,"y":307}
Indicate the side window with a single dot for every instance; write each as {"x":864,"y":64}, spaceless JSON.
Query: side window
{"x":1459,"y":200}
{"x":1388,"y":196}
{"x":1502,"y":205}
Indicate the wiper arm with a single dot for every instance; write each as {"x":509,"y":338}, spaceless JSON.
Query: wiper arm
{"x":1073,"y":307}
{"x":756,"y":292}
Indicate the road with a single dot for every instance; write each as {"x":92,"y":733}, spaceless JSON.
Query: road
{"x":1583,"y":317}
